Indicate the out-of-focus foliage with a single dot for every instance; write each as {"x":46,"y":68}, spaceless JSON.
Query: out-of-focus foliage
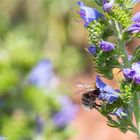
{"x":31,"y":31}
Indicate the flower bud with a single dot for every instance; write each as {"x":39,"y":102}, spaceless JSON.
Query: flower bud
{"x":106,"y":46}
{"x":107,"y":5}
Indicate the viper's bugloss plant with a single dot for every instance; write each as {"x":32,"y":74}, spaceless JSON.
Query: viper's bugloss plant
{"x":117,"y":22}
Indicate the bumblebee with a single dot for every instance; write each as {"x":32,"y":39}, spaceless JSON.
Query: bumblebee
{"x":89,"y":99}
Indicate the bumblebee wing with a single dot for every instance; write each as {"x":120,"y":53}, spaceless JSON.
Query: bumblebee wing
{"x":87,"y":107}
{"x":84,"y":87}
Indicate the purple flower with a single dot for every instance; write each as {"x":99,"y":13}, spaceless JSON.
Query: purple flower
{"x":135,"y":28}
{"x":130,"y":57}
{"x":107,"y":93}
{"x":136,"y":68}
{"x":66,"y":113}
{"x":88,"y":14}
{"x":42,"y":75}
{"x":136,"y":17}
{"x":92,"y":50}
{"x":2,"y":138}
{"x":136,"y":78}
{"x":107,"y":5}
{"x":135,"y":1}
{"x":39,"y":124}
{"x":133,"y":73}
{"x":106,"y":46}
{"x":128,"y":73}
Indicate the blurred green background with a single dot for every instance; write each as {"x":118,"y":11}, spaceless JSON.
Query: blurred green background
{"x":32,"y":31}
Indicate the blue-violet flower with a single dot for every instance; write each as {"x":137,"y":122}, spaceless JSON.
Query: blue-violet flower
{"x":133,"y":73}
{"x":42,"y":75}
{"x":107,"y":5}
{"x":136,"y":17}
{"x":128,"y":73}
{"x":66,"y":113}
{"x":106,"y":46}
{"x":135,"y":1}
{"x":92,"y":50}
{"x":39,"y":124}
{"x":88,"y":14}
{"x":107,"y":93}
{"x":135,"y":28}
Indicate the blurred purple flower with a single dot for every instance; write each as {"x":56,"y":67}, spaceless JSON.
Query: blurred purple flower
{"x":42,"y":75}
{"x":2,"y":138}
{"x":128,"y":73}
{"x":107,"y":93}
{"x":135,"y":1}
{"x":66,"y":114}
{"x":136,"y":68}
{"x":107,"y":5}
{"x":135,"y":28}
{"x":133,"y":73}
{"x":136,"y":78}
{"x":106,"y":46}
{"x":88,"y":14}
{"x":92,"y":50}
{"x":136,"y":17}
{"x":130,"y":57}
{"x":39,"y":124}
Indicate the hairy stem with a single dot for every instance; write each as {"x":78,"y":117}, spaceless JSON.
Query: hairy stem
{"x":136,"y":109}
{"x":122,"y":49}
{"x":121,"y":44}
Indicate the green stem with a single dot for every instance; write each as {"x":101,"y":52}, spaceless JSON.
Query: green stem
{"x":136,"y":109}
{"x":121,"y":45}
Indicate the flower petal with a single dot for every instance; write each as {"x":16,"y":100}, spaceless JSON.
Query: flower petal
{"x":136,"y":78}
{"x":107,"y":93}
{"x":108,"y":5}
{"x":136,"y":67}
{"x":88,"y":14}
{"x":135,"y":28}
{"x":128,"y":73}
{"x":136,"y":17}
{"x":92,"y":50}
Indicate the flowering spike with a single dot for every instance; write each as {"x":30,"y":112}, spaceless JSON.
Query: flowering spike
{"x":115,"y":26}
